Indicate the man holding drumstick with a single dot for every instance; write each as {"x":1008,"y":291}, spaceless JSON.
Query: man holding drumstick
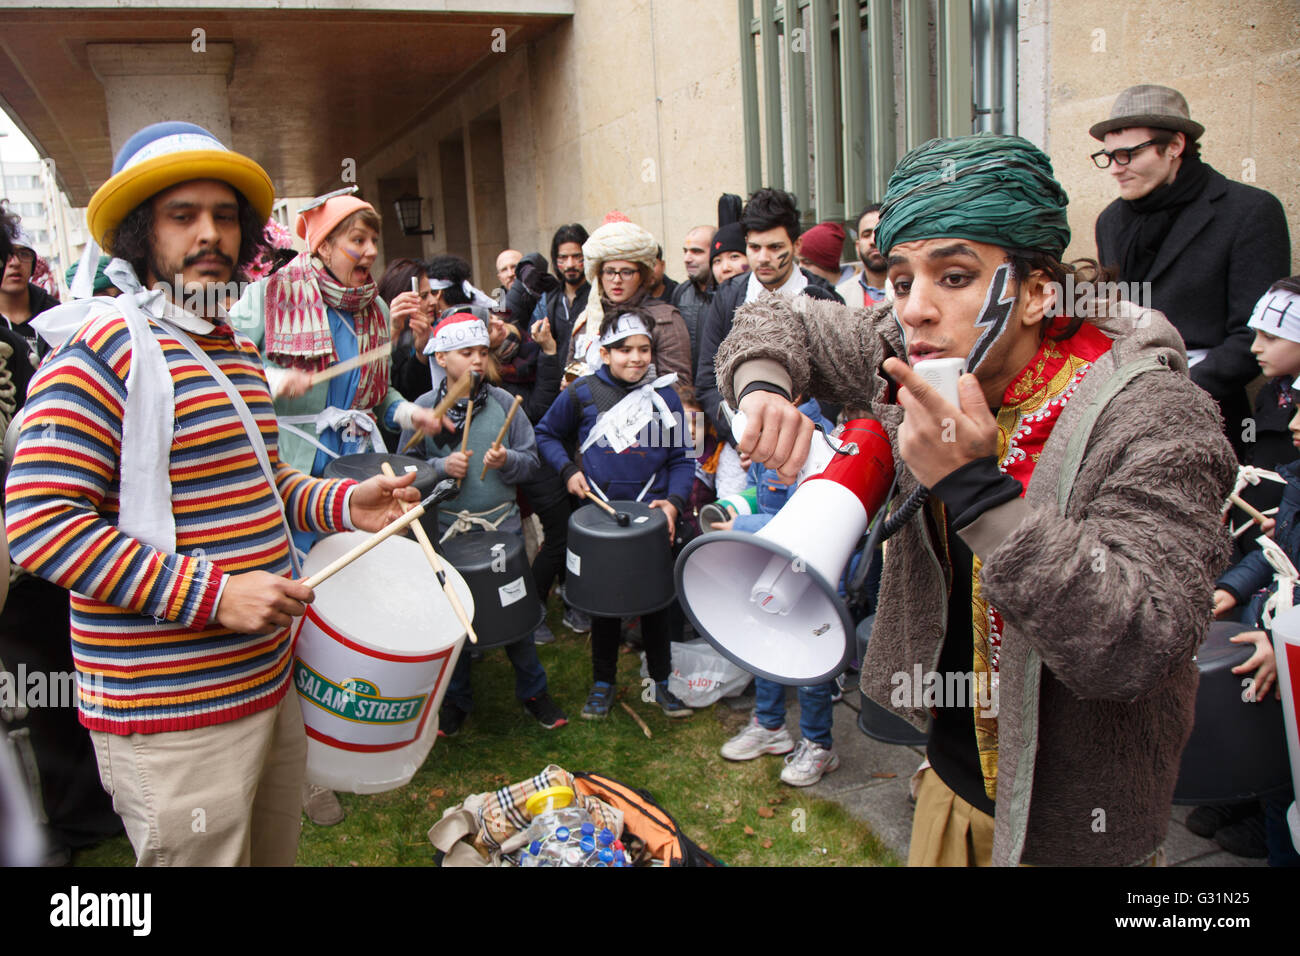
{"x":147,"y":481}
{"x":1058,"y":577}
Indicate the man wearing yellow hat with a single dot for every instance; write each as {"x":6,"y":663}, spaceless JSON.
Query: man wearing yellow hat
{"x":147,"y":481}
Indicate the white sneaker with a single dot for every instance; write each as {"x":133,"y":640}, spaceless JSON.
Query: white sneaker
{"x":806,"y":765}
{"x":756,"y":740}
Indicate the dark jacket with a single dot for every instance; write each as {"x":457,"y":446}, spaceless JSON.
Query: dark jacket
{"x":1254,"y":573}
{"x":563,"y":315}
{"x":715,"y":323}
{"x":38,"y":300}
{"x":1224,"y":250}
{"x":619,"y":475}
{"x":693,"y":304}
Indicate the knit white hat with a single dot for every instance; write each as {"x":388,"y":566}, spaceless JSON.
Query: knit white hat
{"x":616,"y":239}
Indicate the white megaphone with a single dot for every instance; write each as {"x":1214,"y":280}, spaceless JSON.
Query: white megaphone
{"x":770,"y":601}
{"x":1286,"y":650}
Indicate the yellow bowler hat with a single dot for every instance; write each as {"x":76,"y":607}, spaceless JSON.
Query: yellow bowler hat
{"x":162,"y":155}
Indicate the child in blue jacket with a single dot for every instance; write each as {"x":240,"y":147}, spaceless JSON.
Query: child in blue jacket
{"x":632,"y":444}
{"x":766,"y":733}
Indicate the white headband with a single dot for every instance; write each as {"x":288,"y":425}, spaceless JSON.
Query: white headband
{"x":625,"y":326}
{"x":475,"y":295}
{"x":1278,"y":313}
{"x":460,"y":331}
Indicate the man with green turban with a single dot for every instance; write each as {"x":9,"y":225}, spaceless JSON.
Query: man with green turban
{"x":1039,"y":611}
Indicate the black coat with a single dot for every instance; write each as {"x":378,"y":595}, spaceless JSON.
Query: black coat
{"x":1224,"y":250}
{"x":715,"y":323}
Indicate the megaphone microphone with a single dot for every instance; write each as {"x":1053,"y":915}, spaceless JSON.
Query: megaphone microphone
{"x":769,"y":601}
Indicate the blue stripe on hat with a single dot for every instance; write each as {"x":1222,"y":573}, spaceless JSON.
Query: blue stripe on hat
{"x":160,"y":138}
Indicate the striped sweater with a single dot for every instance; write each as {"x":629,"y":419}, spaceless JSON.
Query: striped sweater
{"x":149,"y":652}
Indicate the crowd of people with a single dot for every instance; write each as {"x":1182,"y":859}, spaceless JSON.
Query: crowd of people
{"x":1060,"y":531}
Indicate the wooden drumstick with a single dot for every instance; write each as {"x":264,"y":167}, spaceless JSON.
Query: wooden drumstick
{"x":464,"y":438}
{"x":342,"y":368}
{"x":390,"y":529}
{"x":1255,"y":515}
{"x":454,"y":395}
{"x":436,"y":563}
{"x":620,"y":516}
{"x":519,"y":400}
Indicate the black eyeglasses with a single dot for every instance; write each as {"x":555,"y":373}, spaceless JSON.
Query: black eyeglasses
{"x":1122,"y":156}
{"x":24,"y":255}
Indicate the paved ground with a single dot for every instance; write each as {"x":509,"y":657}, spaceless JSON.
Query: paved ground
{"x":872,"y":785}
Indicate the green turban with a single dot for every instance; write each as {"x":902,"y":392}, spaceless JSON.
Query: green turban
{"x":986,"y":187}
{"x":102,"y":282}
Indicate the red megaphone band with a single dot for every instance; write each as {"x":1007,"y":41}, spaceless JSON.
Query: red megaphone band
{"x":870,"y":472}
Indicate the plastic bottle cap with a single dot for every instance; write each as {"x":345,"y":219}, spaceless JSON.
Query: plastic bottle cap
{"x":607,"y":836}
{"x":587,"y":844}
{"x":588,"y":829}
{"x":535,"y":847}
{"x":607,"y":856}
{"x":561,"y":833}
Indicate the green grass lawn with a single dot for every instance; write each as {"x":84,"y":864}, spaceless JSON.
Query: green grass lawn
{"x":741,"y":813}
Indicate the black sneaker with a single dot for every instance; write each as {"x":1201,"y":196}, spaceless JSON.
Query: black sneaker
{"x":545,"y":710}
{"x":1207,"y":821}
{"x":669,"y":702}
{"x":450,"y":719}
{"x":1245,"y":838}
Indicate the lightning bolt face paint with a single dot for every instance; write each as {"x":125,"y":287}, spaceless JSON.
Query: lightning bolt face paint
{"x":994,"y":317}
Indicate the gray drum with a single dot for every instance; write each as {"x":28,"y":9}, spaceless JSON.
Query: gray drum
{"x":1237,"y":750}
{"x":615,"y":570}
{"x":494,"y":565}
{"x":368,"y":464}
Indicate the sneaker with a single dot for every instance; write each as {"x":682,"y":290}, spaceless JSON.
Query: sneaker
{"x":806,"y":765}
{"x":1207,"y":821}
{"x":598,"y":701}
{"x":321,"y":805}
{"x":1244,"y":838}
{"x":756,"y":740}
{"x":576,"y":621}
{"x":543,"y":634}
{"x":545,"y":711}
{"x":450,"y":719}
{"x":669,"y":702}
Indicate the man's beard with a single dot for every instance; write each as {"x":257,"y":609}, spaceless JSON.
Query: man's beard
{"x":172,"y":274}
{"x":572,"y":277}
{"x":875,"y":262}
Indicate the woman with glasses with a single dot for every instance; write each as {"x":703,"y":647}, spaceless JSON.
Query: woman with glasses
{"x":620,"y":258}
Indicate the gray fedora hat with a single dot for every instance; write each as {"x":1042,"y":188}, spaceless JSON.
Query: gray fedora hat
{"x":1157,"y":107}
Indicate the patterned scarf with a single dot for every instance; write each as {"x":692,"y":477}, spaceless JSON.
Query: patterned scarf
{"x":298,"y":328}
{"x":1030,"y":409}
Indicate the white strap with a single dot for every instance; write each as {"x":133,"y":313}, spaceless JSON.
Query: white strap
{"x":468,"y":520}
{"x":250,"y":427}
{"x":288,"y":425}
{"x":1286,"y":576}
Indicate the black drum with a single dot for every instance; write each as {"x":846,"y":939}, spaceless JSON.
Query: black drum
{"x":494,"y":565}
{"x":1237,"y":750}
{"x":880,"y":724}
{"x":619,"y":571}
{"x":361,"y":467}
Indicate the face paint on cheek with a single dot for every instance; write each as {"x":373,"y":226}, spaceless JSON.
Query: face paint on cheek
{"x":782,"y":261}
{"x":994,"y":317}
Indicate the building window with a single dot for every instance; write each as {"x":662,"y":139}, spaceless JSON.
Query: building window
{"x":835,"y":91}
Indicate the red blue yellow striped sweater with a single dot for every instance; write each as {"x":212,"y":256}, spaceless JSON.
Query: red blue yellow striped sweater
{"x":149,"y":652}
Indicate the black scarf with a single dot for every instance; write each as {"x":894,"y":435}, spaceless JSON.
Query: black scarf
{"x":458,"y":411}
{"x":1146,"y":221}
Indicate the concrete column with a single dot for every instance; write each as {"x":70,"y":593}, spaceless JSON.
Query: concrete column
{"x":486,"y":186}
{"x":150,"y":82}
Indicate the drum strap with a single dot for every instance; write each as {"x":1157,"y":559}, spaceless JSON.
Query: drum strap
{"x":250,"y":427}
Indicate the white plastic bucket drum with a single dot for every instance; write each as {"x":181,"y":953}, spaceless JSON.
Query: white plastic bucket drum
{"x":373,"y":656}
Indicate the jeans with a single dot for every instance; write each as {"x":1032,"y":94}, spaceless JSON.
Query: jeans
{"x":530,"y":678}
{"x":816,"y":711}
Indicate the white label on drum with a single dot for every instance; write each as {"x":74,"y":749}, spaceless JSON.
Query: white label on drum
{"x":409,"y":468}
{"x":572,"y":562}
{"x":512,"y":592}
{"x":641,"y":519}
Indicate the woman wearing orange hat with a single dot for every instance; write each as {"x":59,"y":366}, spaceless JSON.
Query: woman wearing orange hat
{"x":323,"y":308}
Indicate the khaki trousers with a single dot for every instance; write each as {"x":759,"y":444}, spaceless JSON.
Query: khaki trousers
{"x":946,"y":830}
{"x":227,"y":795}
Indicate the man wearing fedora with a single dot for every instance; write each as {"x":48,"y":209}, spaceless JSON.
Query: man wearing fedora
{"x":147,"y":482}
{"x":1208,"y":247}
